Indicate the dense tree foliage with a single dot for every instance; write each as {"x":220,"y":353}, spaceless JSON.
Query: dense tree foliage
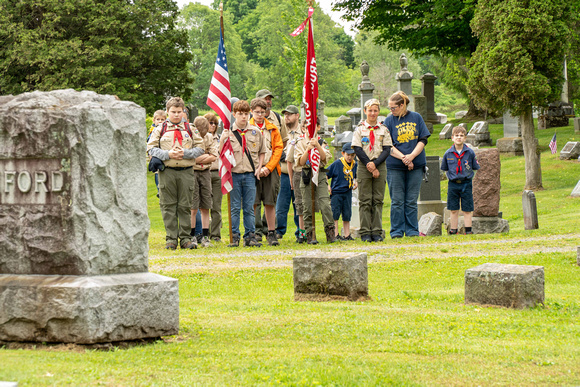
{"x":518,"y":63}
{"x":130,"y":48}
{"x":422,"y":26}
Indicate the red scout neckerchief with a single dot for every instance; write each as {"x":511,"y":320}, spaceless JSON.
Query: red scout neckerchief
{"x":243,"y":133}
{"x":177,"y":134}
{"x":372,"y":135}
{"x":459,"y":167}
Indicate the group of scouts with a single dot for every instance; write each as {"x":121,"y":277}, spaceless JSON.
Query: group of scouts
{"x":272,"y":168}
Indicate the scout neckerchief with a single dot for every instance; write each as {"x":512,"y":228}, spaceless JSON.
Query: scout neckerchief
{"x":347,"y":170}
{"x":177,"y":134}
{"x":243,"y":133}
{"x":459,"y":157}
{"x":371,"y":134}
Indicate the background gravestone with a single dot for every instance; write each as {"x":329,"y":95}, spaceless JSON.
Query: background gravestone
{"x":577,"y":125}
{"x":430,"y":194}
{"x":74,"y":241}
{"x":530,"y":210}
{"x":447,"y":132}
{"x":479,"y":134}
{"x":571,"y":151}
{"x":576,"y":191}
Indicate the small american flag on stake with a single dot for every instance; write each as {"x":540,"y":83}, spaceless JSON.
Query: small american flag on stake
{"x":553,"y":145}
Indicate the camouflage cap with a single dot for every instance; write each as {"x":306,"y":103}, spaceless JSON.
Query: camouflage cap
{"x":292,"y":109}
{"x":264,"y":93}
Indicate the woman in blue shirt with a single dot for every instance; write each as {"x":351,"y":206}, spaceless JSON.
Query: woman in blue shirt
{"x":405,"y":166}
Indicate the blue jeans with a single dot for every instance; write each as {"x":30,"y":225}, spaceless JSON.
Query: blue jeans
{"x":285,"y":195}
{"x":242,"y":196}
{"x":404,"y":187}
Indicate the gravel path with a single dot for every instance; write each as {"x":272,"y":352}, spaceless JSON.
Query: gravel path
{"x":263,"y":259}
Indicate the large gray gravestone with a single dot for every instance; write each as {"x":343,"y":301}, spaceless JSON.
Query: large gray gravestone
{"x":343,"y":124}
{"x":74,"y":241}
{"x":479,"y":134}
{"x":365,"y":88}
{"x":428,"y":90}
{"x":571,"y":151}
{"x":355,"y":116}
{"x":530,"y":210}
{"x":512,"y":286}
{"x":430,"y":194}
{"x":334,"y":274}
{"x":511,"y":143}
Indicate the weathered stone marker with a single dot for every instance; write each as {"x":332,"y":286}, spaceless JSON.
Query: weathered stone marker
{"x":578,"y":256}
{"x":576,"y":191}
{"x":338,"y":274}
{"x":571,"y":151}
{"x":447,"y":132}
{"x":530,"y":210}
{"x":431,"y":224}
{"x":74,"y":240}
{"x":512,"y":286}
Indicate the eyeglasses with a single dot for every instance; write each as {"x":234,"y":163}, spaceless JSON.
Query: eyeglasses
{"x":259,"y":113}
{"x":393,"y":108}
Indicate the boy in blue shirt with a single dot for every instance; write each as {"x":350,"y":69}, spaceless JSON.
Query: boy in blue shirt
{"x":459,"y":162}
{"x":343,"y":175}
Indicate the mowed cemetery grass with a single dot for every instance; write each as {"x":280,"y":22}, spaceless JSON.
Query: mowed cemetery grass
{"x":240,"y":325}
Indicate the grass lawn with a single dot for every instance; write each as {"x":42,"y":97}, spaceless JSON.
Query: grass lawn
{"x":239,"y":323}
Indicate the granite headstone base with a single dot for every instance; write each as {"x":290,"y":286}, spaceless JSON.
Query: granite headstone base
{"x":512,"y":146}
{"x":512,"y":286}
{"x":87,"y":309}
{"x":483,"y":225}
{"x":326,"y":274}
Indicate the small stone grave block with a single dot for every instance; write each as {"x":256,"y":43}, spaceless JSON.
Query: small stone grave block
{"x":512,"y":286}
{"x":446,"y":132}
{"x":530,"y":210}
{"x":576,"y":191}
{"x":570,"y":151}
{"x":331,"y":274}
{"x":431,"y":224}
{"x":578,"y":256}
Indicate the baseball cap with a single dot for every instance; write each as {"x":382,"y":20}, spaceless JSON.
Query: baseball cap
{"x":264,"y":93}
{"x":292,"y":109}
{"x":347,"y":148}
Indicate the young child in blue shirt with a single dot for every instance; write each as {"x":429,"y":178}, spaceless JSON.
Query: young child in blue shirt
{"x":460,"y":162}
{"x":343,"y":175}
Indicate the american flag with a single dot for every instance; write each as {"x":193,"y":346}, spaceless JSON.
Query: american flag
{"x":553,"y":146}
{"x":225,"y":164}
{"x":219,"y":96}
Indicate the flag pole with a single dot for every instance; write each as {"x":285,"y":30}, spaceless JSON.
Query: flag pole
{"x":229,"y":197}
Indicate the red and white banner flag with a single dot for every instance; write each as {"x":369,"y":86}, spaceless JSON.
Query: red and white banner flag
{"x":225,"y":164}
{"x":301,"y":27}
{"x":310,"y":99}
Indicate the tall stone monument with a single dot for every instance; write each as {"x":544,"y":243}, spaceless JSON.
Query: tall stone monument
{"x":404,"y":77}
{"x":365,"y":88}
{"x":428,"y":91}
{"x":511,"y":142}
{"x":74,"y":240}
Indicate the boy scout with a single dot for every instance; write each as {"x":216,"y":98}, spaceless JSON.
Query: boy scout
{"x":202,"y":193}
{"x":177,"y":146}
{"x":301,"y":155}
{"x":295,"y":175}
{"x":372,"y":143}
{"x":269,"y":183}
{"x":249,"y":150}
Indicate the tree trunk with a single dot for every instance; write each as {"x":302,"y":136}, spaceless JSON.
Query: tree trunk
{"x":473,"y":113}
{"x":531,"y":152}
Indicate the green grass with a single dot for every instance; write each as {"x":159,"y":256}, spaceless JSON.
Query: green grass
{"x":239,"y":323}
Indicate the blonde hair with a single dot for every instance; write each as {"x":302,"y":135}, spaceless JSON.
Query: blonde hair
{"x":458,"y":129}
{"x":160,"y":113}
{"x":202,"y":124}
{"x":371,"y":102}
{"x":400,"y":98}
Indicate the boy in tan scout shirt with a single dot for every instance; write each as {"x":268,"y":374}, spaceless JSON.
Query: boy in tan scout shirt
{"x":202,"y":193}
{"x":372,"y":143}
{"x":295,"y":175}
{"x":301,"y":154}
{"x":177,"y":146}
{"x":269,"y":183}
{"x":249,"y":150}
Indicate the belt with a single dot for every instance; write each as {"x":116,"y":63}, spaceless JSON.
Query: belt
{"x":458,"y":181}
{"x":179,"y":168}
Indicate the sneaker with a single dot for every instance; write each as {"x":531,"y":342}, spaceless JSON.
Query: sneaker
{"x":366,"y":238}
{"x":216,"y":239}
{"x":348,"y":238}
{"x":377,"y":238}
{"x":190,"y":245}
{"x":252,"y":241}
{"x":279,"y":236}
{"x":198,"y":237}
{"x":205,"y":242}
{"x":468,"y":232}
{"x":170,"y":246}
{"x":300,"y":239}
{"x":271,"y":238}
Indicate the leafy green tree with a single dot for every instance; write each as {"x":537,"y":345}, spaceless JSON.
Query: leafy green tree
{"x":130,"y":48}
{"x":422,"y":26}
{"x":238,"y":8}
{"x":518,"y":63}
{"x":203,"y":30}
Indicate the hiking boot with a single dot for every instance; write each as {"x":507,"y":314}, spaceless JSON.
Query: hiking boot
{"x":235,"y":241}
{"x":271,"y":238}
{"x":330,"y":234}
{"x":198,"y":238}
{"x":205,"y":242}
{"x":190,"y":245}
{"x":310,"y":238}
{"x":347,"y":238}
{"x":300,"y":239}
{"x":170,"y":246}
{"x":251,"y":241}
{"x":279,"y":236}
{"x":377,"y":238}
{"x":366,"y":238}
{"x":216,"y":239}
